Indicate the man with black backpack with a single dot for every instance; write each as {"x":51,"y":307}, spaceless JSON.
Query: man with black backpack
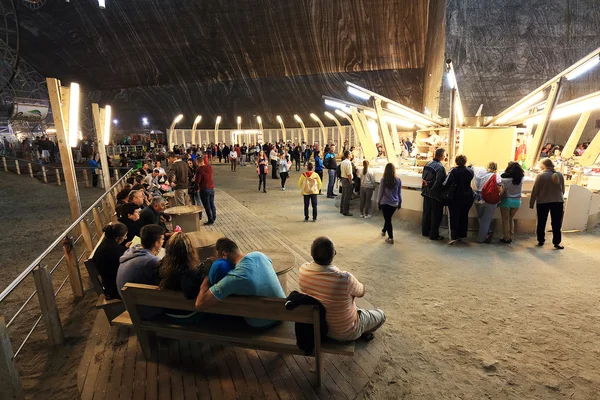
{"x":331,"y":164}
{"x":433,"y":177}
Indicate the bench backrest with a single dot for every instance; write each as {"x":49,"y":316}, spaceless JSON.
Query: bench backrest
{"x":90,"y":265}
{"x":241,"y":306}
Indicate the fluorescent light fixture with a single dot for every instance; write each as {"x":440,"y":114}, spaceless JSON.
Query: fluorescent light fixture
{"x":73,"y":114}
{"x":239,"y":120}
{"x":399,"y":122}
{"x":278,"y":119}
{"x":329,"y":115}
{"x":107,"y":112}
{"x":197,"y":120}
{"x":571,"y":108}
{"x":51,"y":130}
{"x":116,"y":121}
{"x":460,"y":113}
{"x":371,"y":114}
{"x":409,"y":116}
{"x":583,"y":68}
{"x":313,"y":116}
{"x":523,"y":108}
{"x":102,"y":4}
{"x":451,"y":79}
{"x":218,"y":121}
{"x":335,"y":104}
{"x":297,"y":118}
{"x":341,"y":114}
{"x":145,"y":121}
{"x":358,"y":93}
{"x":373,"y":130}
{"x":178,"y":118}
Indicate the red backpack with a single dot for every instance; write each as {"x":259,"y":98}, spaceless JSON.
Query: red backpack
{"x":490,"y":193}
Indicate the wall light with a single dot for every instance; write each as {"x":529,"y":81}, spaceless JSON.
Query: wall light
{"x":218,"y":120}
{"x":517,"y":111}
{"x":197,"y":120}
{"x":297,"y":118}
{"x":73,"y":114}
{"x":583,"y":68}
{"x":102,"y":4}
{"x":116,"y":121}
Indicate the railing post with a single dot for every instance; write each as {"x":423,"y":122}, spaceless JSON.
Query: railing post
{"x":116,"y":172}
{"x":45,"y":293}
{"x":10,"y":383}
{"x":87,"y":238}
{"x":18,"y":167}
{"x":97,"y":222}
{"x":44,"y":174}
{"x":86,"y":181}
{"x":30,"y":170}
{"x":4,"y":163}
{"x":73,"y":268}
{"x":106,"y":211}
{"x":58,"y":176}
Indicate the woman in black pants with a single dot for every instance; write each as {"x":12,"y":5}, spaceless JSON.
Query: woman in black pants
{"x":389,"y":199}
{"x":262,"y":170}
{"x":549,"y":191}
{"x":459,"y":180}
{"x":284,"y":167}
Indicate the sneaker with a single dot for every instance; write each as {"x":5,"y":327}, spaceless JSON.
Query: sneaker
{"x":390,"y":241}
{"x":209,"y":223}
{"x":314,"y":220}
{"x":559,"y":247}
{"x":282,"y":189}
{"x":382,"y":233}
{"x":305,"y":219}
{"x":368,"y":216}
{"x":362,"y":215}
{"x":347,"y":214}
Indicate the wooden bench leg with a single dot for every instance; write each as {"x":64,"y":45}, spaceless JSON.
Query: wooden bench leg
{"x":318,"y":354}
{"x":319,"y":366}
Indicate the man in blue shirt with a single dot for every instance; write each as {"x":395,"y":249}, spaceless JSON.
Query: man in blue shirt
{"x":253,"y":275}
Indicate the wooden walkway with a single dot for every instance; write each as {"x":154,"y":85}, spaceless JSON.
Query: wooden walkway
{"x":113,"y":365}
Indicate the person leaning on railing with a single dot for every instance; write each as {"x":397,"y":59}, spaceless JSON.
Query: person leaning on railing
{"x":107,"y":257}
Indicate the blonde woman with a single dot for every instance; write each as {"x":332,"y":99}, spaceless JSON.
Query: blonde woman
{"x":366,"y":190}
{"x":548,"y":192}
{"x":310,"y":185}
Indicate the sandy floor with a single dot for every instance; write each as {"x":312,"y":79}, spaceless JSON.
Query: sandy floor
{"x":465,"y":322}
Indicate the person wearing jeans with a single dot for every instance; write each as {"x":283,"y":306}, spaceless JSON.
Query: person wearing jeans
{"x":283,"y":170}
{"x":548,"y":192}
{"x":331,"y":164}
{"x":389,"y":199}
{"x":485,"y":211}
{"x":346,"y":178}
{"x":366,"y":190}
{"x":204,"y":180}
{"x":262,"y":170}
{"x":310,"y":185}
{"x":433,"y":178}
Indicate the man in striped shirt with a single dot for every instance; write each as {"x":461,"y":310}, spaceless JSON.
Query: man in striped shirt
{"x":336,"y":290}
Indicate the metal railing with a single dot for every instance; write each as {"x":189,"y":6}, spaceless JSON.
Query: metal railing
{"x":96,"y":216}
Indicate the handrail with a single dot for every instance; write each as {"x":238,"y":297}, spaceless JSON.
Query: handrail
{"x":12,"y":286}
{"x":36,"y":162}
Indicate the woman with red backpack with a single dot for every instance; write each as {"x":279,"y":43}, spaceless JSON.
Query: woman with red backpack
{"x":487,"y":197}
{"x":310,"y":185}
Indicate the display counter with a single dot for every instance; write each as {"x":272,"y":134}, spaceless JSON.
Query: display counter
{"x":582,"y":210}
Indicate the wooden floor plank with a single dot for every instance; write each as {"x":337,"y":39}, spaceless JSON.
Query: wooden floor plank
{"x":211,"y":373}
{"x":187,"y":371}
{"x":116,"y":375}
{"x":329,"y":389}
{"x":105,"y":366}
{"x":303,"y":381}
{"x":338,"y":378}
{"x":224,"y":374}
{"x":99,"y":333}
{"x":239,"y":382}
{"x":98,"y":353}
{"x":164,"y":378}
{"x":151,"y":385}
{"x":129,"y":368}
{"x":261,"y":375}
{"x":286,"y":376}
{"x":353,"y":375}
{"x":252,"y":384}
{"x":199,"y":364}
{"x":140,"y":373}
{"x":268,"y":361}
{"x":175,"y":369}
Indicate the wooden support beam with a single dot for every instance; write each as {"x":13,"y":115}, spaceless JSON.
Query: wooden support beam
{"x":97,"y":222}
{"x":57,"y":176}
{"x":569,"y":148}
{"x":45,"y":294}
{"x":388,"y":144}
{"x":30,"y":169}
{"x":17,"y":167}
{"x":10,"y":383}
{"x":435,"y":47}
{"x":73,"y":268}
{"x":541,"y":131}
{"x":86,"y":180}
{"x":4,"y":163}
{"x":60,"y":111}
{"x":87,"y":237}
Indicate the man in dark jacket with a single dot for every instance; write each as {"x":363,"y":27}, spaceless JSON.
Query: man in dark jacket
{"x":178,"y":177}
{"x":153,"y":214}
{"x":331,"y":164}
{"x":433,"y":177}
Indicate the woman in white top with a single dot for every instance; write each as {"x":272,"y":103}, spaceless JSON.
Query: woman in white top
{"x":284,"y":167}
{"x":485,"y":211}
{"x":366,"y":190}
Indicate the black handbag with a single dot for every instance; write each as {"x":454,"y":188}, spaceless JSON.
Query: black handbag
{"x":448,"y":192}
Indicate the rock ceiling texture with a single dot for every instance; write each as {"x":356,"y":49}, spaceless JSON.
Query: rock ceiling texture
{"x":232,"y":57}
{"x":268,"y":57}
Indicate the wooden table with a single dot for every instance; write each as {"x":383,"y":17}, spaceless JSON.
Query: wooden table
{"x":187,"y":217}
{"x":169,"y":196}
{"x":204,"y":242}
{"x":283,"y":262}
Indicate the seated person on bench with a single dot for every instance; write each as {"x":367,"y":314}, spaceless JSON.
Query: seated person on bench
{"x":153,"y":214}
{"x":337,"y":290}
{"x":130,"y":215}
{"x":107,"y":257}
{"x":253,"y":275}
{"x":139,"y":264}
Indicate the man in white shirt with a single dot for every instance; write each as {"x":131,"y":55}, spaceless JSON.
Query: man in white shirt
{"x":346,"y":178}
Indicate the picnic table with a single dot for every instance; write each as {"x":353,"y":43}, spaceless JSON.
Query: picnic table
{"x":187,"y":217}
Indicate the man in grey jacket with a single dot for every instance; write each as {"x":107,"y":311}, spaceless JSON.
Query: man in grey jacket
{"x":139,"y":264}
{"x":433,"y":177}
{"x":178,"y":177}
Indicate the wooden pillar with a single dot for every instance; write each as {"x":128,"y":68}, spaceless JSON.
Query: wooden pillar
{"x":10,"y":383}
{"x":435,"y":47}
{"x":4,"y":163}
{"x":60,"y":110}
{"x":388,"y":144}
{"x":73,"y":268}
{"x":86,"y":181}
{"x":44,"y":174}
{"x":45,"y":293}
{"x":97,"y":222}
{"x":57,"y":176}
{"x":30,"y":169}
{"x":87,"y":238}
{"x":17,"y":167}
{"x":99,"y":116}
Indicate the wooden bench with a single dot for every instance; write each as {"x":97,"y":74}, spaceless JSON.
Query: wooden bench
{"x":279,"y":339}
{"x":112,"y":308}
